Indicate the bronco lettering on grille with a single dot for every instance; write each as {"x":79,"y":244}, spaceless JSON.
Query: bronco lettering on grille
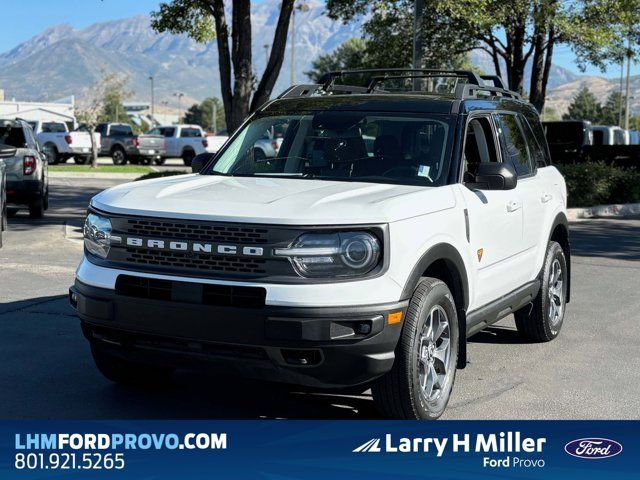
{"x":197,"y":247}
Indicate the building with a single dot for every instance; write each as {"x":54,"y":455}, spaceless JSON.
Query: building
{"x":58,"y":111}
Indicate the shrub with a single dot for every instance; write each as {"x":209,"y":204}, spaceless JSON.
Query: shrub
{"x":595,"y":183}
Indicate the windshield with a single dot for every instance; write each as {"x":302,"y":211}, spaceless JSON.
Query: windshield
{"x":338,"y":145}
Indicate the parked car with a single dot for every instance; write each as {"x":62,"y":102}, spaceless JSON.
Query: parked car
{"x":26,"y":171}
{"x":335,"y":265}
{"x":215,"y":142}
{"x":268,"y":144}
{"x":182,"y":141}
{"x":5,"y":152}
{"x":59,"y":144}
{"x":569,"y":143}
{"x":118,"y":141}
{"x":567,"y":139}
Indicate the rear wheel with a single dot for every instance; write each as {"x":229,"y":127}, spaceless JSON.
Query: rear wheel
{"x":118,"y":156}
{"x":126,"y":372}
{"x":187,"y":157}
{"x":419,"y":384}
{"x":51,"y":152}
{"x":36,"y":208}
{"x":81,"y":160}
{"x":542,"y":320}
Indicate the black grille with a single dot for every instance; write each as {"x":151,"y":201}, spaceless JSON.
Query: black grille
{"x":187,"y":292}
{"x":205,"y":263}
{"x":198,"y":231}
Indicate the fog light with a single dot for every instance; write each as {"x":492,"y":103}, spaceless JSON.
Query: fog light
{"x":363,"y":328}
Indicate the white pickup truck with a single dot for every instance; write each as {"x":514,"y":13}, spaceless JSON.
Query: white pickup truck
{"x":59,"y":144}
{"x":184,"y":141}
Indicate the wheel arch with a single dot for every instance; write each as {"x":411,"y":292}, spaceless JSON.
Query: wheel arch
{"x":444,"y":262}
{"x":560,"y":233}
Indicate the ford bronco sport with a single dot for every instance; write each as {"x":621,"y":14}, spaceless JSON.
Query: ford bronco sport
{"x":391,"y":225}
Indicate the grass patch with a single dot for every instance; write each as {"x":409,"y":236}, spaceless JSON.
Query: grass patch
{"x":166,"y":173}
{"x":101,"y":168}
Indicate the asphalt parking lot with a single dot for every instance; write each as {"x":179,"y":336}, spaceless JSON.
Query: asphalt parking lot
{"x":590,"y":371}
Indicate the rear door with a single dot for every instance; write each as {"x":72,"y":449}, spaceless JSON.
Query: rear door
{"x":495,"y":220}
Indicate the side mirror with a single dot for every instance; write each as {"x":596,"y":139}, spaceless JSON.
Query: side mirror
{"x":199,"y":161}
{"x":495,"y":176}
{"x":7,"y":151}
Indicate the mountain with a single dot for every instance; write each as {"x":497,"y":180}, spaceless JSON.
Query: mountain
{"x":63,"y":61}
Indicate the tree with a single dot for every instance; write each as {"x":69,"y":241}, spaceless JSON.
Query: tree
{"x":202,"y":114}
{"x":584,"y":106}
{"x":352,"y":54}
{"x":103,"y":92}
{"x":610,"y":114}
{"x":114,"y":95}
{"x":204,"y":20}
{"x":387,"y":33}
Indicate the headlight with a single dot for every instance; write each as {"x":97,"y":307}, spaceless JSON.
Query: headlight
{"x":97,"y":234}
{"x":341,"y":254}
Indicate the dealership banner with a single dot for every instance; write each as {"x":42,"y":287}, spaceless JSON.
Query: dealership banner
{"x":122,"y":449}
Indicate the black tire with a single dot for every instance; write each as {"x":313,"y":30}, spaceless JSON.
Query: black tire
{"x":160,"y":161}
{"x":81,"y":160}
{"x":11,"y":212}
{"x":51,"y":152}
{"x":126,"y":372}
{"x":118,"y":156}
{"x":399,"y":393}
{"x":45,"y":199}
{"x":187,"y":157}
{"x":540,"y":321}
{"x":36,"y":208}
{"x":145,"y":161}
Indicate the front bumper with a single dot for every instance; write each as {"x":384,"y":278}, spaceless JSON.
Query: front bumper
{"x":313,"y":346}
{"x":23,"y":192}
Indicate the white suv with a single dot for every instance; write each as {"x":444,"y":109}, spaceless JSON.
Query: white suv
{"x":388,"y":229}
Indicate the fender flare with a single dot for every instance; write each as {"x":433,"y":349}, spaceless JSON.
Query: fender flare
{"x":561,"y":220}
{"x":440,"y":251}
{"x":448,"y":253}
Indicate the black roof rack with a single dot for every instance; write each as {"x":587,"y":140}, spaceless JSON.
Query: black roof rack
{"x":471,"y":84}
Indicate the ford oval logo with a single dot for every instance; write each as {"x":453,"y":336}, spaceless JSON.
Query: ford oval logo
{"x":593,"y":448}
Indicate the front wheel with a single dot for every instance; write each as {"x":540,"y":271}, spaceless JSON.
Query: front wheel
{"x":419,"y":384}
{"x":81,"y":160}
{"x":542,"y":320}
{"x":160,"y":161}
{"x":126,"y":372}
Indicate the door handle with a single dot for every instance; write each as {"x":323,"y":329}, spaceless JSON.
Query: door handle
{"x":546,"y":197}
{"x":513,"y":205}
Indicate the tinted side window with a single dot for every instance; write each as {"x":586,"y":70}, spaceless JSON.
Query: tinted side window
{"x":168,"y":132}
{"x":53,"y":127}
{"x":121,"y":130}
{"x":513,"y":143}
{"x":101,"y":128}
{"x":190,"y":132}
{"x":537,"y":153}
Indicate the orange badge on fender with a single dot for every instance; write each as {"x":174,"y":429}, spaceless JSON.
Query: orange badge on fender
{"x":480,"y":252}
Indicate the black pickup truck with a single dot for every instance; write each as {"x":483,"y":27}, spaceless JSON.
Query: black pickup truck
{"x":572,"y":142}
{"x":118,"y":141}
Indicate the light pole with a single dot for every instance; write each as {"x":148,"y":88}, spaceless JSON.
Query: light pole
{"x":179,"y":95}
{"x":418,"y":13}
{"x":152,"y":97}
{"x":626,"y":98}
{"x":303,"y":8}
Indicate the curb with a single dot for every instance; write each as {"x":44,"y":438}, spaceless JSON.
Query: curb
{"x":604,"y":211}
{"x":105,"y":175}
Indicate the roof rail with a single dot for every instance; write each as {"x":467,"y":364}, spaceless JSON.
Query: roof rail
{"x":497,"y":81}
{"x":329,"y":78}
{"x":471,"y":85}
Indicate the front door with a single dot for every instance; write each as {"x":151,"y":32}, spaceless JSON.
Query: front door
{"x":495,"y":219}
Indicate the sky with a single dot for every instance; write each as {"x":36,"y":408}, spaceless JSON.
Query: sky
{"x":30,"y":17}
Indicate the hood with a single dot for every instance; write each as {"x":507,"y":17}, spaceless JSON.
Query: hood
{"x":272,"y":200}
